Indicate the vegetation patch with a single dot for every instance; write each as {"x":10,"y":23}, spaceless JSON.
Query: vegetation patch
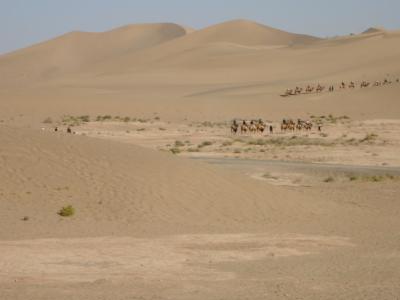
{"x":373,"y":178}
{"x":205,"y":144}
{"x":175,"y":150}
{"x":329,"y":179}
{"x":67,"y":211}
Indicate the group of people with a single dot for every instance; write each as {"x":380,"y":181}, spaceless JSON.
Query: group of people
{"x":343,"y":85}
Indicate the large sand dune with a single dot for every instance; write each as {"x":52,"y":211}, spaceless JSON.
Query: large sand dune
{"x":76,"y":50}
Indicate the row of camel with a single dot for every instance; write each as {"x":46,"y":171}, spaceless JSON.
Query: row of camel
{"x":343,"y":85}
{"x":254,"y":127}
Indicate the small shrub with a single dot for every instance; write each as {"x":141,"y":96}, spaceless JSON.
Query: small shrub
{"x":84,"y":119}
{"x":48,"y":120}
{"x":205,"y":144}
{"x":258,"y":142}
{"x":179,"y":144}
{"x":353,"y":177}
{"x":329,"y":179}
{"x":227,"y":143}
{"x":127,"y":119}
{"x":162,"y":129}
{"x":370,"y":137}
{"x":175,"y":150}
{"x":67,"y":211}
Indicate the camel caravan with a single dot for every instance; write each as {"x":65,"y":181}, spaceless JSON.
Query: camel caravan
{"x":252,"y":127}
{"x":309,"y":89}
{"x":258,"y":127}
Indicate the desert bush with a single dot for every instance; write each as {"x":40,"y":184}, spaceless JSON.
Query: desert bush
{"x":227,"y":143}
{"x":84,"y":119}
{"x":103,"y":118}
{"x":353,"y":178}
{"x":48,"y":120}
{"x":329,"y":179}
{"x":369,"y":137}
{"x":175,"y":150}
{"x":205,"y":144}
{"x":67,"y":211}
{"x":179,"y":144}
{"x":258,"y":142}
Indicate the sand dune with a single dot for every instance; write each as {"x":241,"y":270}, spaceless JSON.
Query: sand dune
{"x":75,"y":50}
{"x":244,"y":32}
{"x":374,"y":30}
{"x":121,"y":189}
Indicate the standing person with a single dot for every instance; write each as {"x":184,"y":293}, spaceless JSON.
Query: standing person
{"x":271,"y":129}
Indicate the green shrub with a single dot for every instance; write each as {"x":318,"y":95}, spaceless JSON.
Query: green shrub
{"x":175,"y":150}
{"x":67,"y":211}
{"x":179,"y":144}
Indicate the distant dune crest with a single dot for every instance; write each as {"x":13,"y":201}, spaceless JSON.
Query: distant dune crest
{"x":151,"y":47}
{"x":374,"y":30}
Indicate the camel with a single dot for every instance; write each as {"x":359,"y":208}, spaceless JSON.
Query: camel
{"x":284,"y":125}
{"x":342,"y":85}
{"x":289,"y":92}
{"x":234,"y":127}
{"x":252,"y":127}
{"x":377,"y":83}
{"x":309,"y":89}
{"x":364,"y":84}
{"x":244,"y":128}
{"x":320,"y":88}
{"x":308,"y":125}
{"x":260,"y":126}
{"x":352,"y":85}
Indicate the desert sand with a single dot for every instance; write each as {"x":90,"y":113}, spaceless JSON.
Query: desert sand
{"x":169,"y":204}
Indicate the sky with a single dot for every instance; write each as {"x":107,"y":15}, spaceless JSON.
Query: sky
{"x":26,"y":22}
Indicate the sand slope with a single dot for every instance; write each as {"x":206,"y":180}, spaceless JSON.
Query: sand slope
{"x":75,"y":50}
{"x":121,"y":189}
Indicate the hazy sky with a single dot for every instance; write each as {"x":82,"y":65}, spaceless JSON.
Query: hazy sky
{"x":25,"y":22}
